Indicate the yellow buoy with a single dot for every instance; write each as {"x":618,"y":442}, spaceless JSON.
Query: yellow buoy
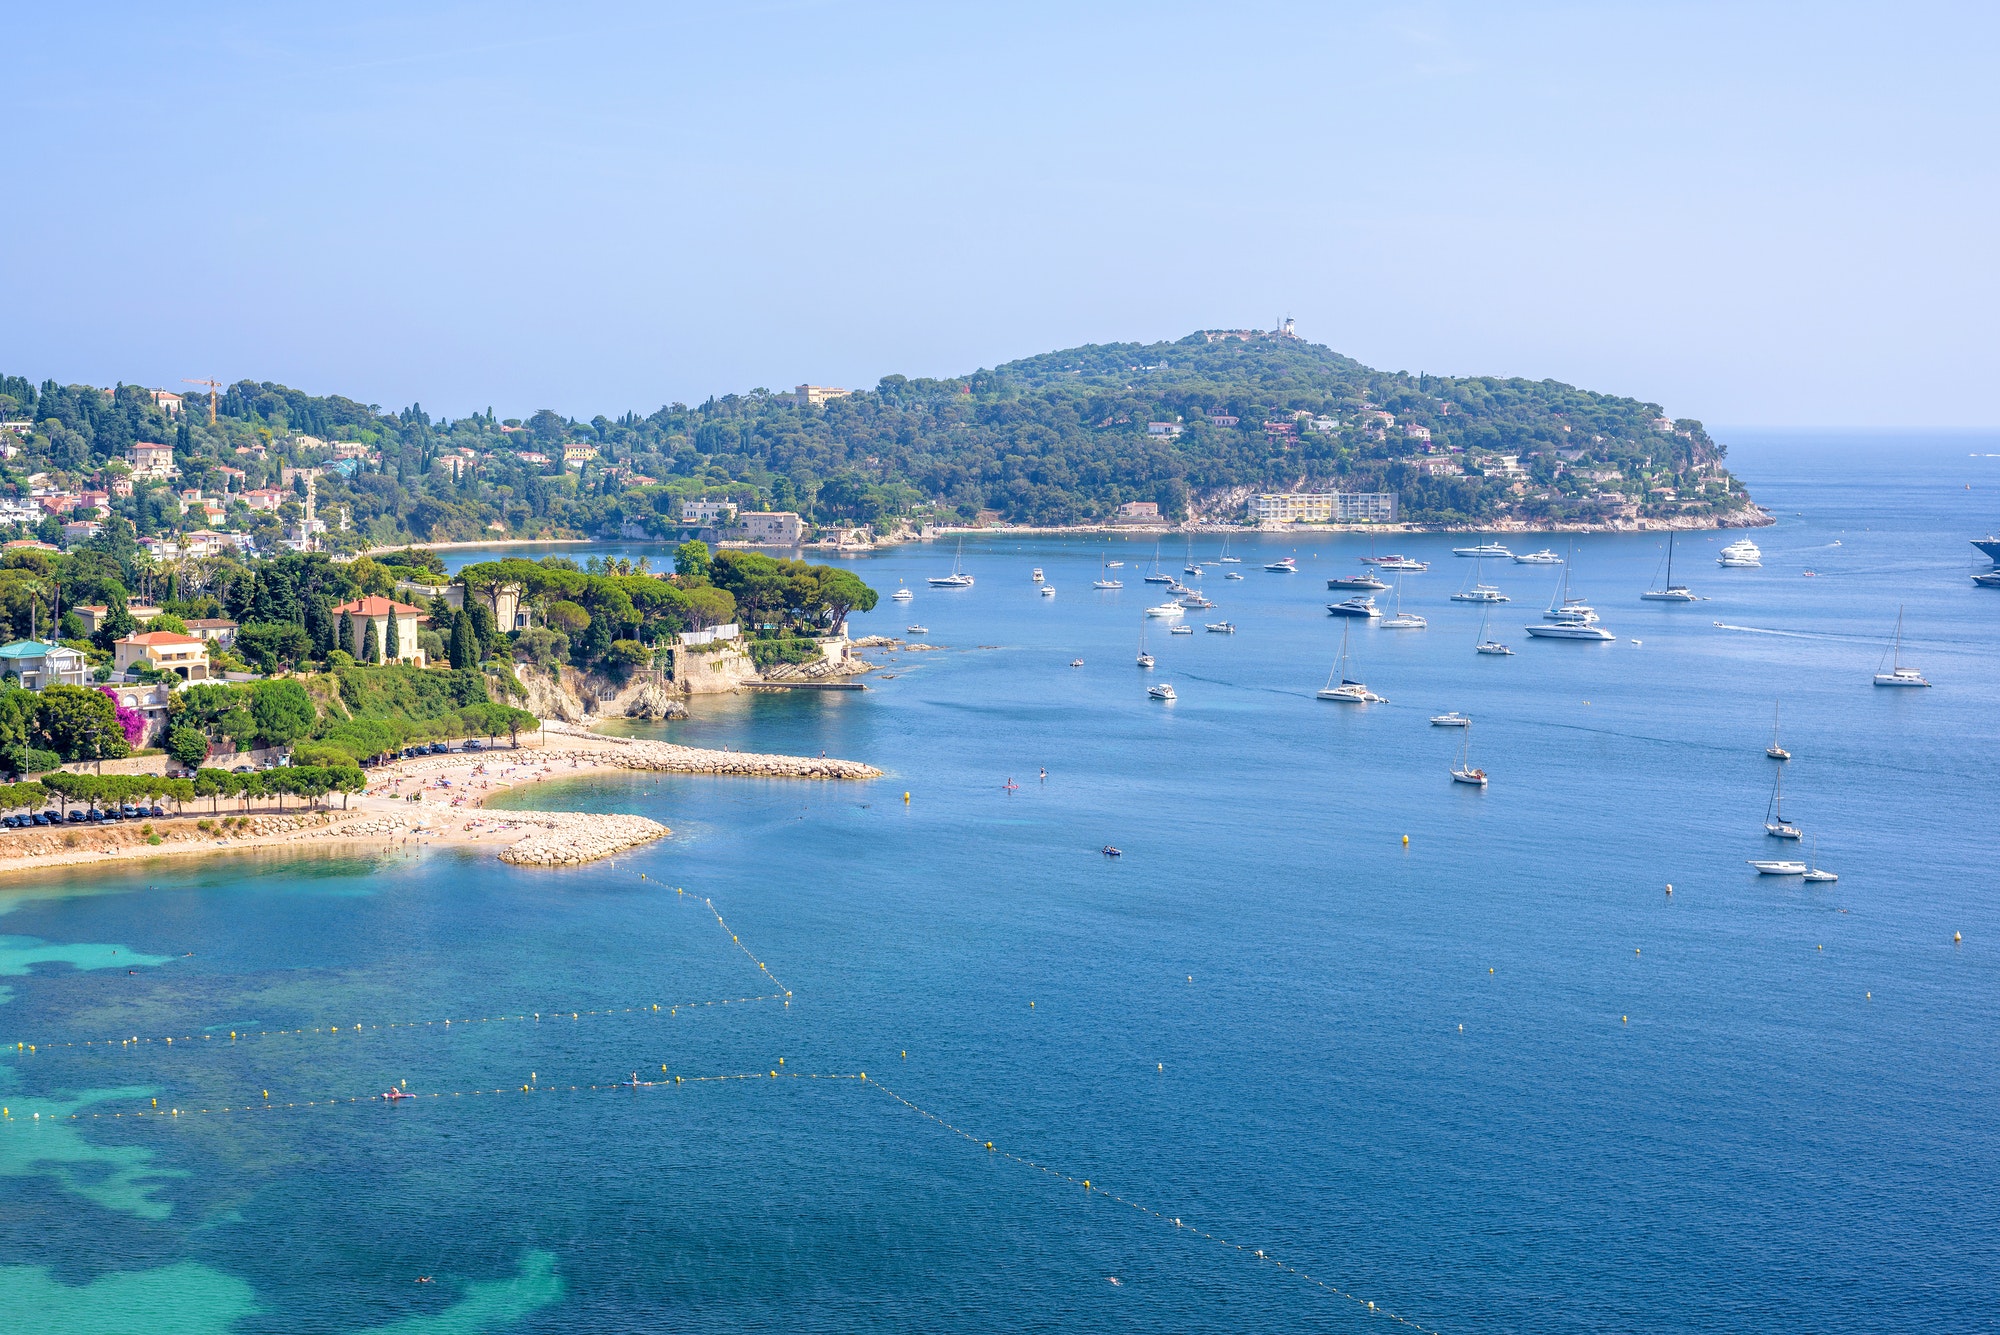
{"x":1869,"y":995}
{"x":906,"y":799}
{"x":267,"y":1093}
{"x":1406,"y":841}
{"x":1956,"y":938}
{"x":1624,"y":1019}
{"x":1159,"y":1066}
{"x":989,"y":1144}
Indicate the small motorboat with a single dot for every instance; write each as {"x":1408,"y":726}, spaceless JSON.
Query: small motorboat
{"x":1452,"y":720}
{"x":1010,"y":786}
{"x":1221,"y":627}
{"x":1111,"y":852}
{"x":1162,"y":692}
{"x":916,"y":630}
{"x":1037,"y":576}
{"x":1076,"y":662}
{"x":1234,"y":574}
{"x":1182,"y":630}
{"x":1048,"y":590}
{"x":1284,"y":565}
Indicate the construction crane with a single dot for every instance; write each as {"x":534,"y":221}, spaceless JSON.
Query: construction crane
{"x":214,"y":392}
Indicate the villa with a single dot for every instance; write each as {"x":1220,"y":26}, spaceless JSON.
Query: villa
{"x":38,"y":663}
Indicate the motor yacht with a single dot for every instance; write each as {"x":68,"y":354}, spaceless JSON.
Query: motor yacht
{"x":1182,"y":630}
{"x":1037,"y":576}
{"x":1741,"y":554}
{"x":1400,"y":563}
{"x":1454,"y":719}
{"x":1360,"y":605}
{"x":902,"y":595}
{"x":1569,"y":630}
{"x":1048,"y":590}
{"x":1167,"y":610}
{"x":1221,"y":628}
{"x":916,"y":630}
{"x":1163,"y":691}
{"x":1366,"y":580}
{"x":1234,"y":574}
{"x":1777,"y":866}
{"x":1480,"y":593}
{"x":1483,"y":549}
{"x":1544,"y":557}
{"x":1284,"y":565}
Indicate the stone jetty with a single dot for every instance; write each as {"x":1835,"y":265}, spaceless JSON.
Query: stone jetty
{"x":666,"y":758}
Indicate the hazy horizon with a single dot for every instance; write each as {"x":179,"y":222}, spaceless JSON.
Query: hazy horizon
{"x":1764,"y":218}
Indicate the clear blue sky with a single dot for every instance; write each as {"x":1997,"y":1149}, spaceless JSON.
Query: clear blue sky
{"x":1751,"y":214}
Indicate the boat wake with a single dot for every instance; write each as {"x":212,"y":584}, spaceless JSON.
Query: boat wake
{"x":1788,"y":634}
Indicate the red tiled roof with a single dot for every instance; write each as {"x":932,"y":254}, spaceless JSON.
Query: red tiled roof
{"x":162,"y":639}
{"x":377,"y":607}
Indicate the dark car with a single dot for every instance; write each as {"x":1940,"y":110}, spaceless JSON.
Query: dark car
{"x":77,"y":818}
{"x":158,"y":813}
{"x":10,"y":822}
{"x":242,"y":769}
{"x":48,"y":818}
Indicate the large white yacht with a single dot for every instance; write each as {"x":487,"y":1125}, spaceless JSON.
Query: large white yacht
{"x":1544,"y":557}
{"x":1483,"y":549}
{"x":1741,"y":553}
{"x":1365,"y":579}
{"x":1167,"y":610}
{"x":1569,"y":630}
{"x":1360,"y":605}
{"x":1285,"y":565}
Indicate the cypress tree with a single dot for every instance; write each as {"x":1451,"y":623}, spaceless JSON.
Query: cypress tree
{"x":393,"y":649}
{"x":371,"y":648}
{"x":464,"y":648}
{"x":346,"y":632}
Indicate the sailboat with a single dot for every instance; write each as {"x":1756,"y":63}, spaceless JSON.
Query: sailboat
{"x":1670,"y":592}
{"x":1104,"y":580}
{"x":1157,"y":575}
{"x":957,"y":579}
{"x":1898,"y":675}
{"x":1190,"y":568}
{"x":1226,"y":559}
{"x":1349,"y":691}
{"x":1487,"y":644}
{"x":1568,"y":617}
{"x":1403,"y":620}
{"x":1775,"y":824}
{"x":1145,"y":659}
{"x":1775,"y":751}
{"x":1465,"y":773}
{"x":1564,"y":605}
{"x":1815,"y":872}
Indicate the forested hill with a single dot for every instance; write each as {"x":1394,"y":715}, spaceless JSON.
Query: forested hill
{"x":1194,"y":425}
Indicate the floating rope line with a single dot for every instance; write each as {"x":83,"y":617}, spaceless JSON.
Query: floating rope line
{"x":739,"y":945}
{"x":1093,"y":1189}
{"x":267,"y":1104}
{"x":670,"y":1009}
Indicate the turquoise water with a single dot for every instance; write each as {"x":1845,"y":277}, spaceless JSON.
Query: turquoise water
{"x":1752,"y":1103}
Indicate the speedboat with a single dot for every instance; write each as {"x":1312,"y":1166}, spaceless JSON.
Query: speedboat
{"x":1181,"y":630}
{"x":1480,"y":593}
{"x":1365,"y":580}
{"x":395,"y":1092}
{"x":1284,"y":565}
{"x":1777,"y":866}
{"x":1234,"y":574}
{"x":1111,"y":852}
{"x":1452,"y":720}
{"x":1076,"y":662}
{"x":1360,"y":605}
{"x":1048,"y":590}
{"x":1404,"y":621}
{"x":1162,"y":692}
{"x":1167,"y":610}
{"x":916,"y":630}
{"x":1988,"y":580}
{"x":1570,"y":630}
{"x":1544,"y":557}
{"x":1037,"y":576}
{"x":1221,"y":628}
{"x":1483,"y":549}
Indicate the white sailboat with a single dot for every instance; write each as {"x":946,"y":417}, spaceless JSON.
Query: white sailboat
{"x":1349,"y":691}
{"x":1775,"y":823}
{"x":1670,"y":592}
{"x":1145,"y":659}
{"x":1226,"y":558}
{"x":1486,"y":643}
{"x":1777,"y":866}
{"x":957,"y":579}
{"x":1898,"y":675}
{"x":1403,"y":620}
{"x":1816,"y":872}
{"x":1465,"y":773}
{"x":1157,"y":575}
{"x":1775,"y":751}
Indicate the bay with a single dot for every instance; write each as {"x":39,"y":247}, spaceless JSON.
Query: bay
{"x":1496,"y":1078}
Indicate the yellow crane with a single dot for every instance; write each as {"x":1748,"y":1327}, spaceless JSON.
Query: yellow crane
{"x":214,"y":391}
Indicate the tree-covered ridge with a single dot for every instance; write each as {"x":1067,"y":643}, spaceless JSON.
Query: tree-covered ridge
{"x":1062,"y":437}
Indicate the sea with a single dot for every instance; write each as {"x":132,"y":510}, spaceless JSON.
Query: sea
{"x":1334,"y":1044}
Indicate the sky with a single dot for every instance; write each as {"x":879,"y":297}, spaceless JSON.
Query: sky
{"x":1751,"y":214}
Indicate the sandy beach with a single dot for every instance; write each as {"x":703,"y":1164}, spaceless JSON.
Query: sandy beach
{"x":427,"y":801}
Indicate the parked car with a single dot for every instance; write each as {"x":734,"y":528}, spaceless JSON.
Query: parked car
{"x":158,"y":813}
{"x":243,"y":769}
{"x":77,"y":818}
{"x":48,"y":818}
{"x":475,"y":745}
{"x":10,"y":822}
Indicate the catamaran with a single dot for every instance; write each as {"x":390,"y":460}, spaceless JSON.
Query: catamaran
{"x":1479,"y":591}
{"x":957,"y":579}
{"x":1465,"y":773}
{"x":1775,"y":823}
{"x":1670,"y":592}
{"x":1898,"y":675}
{"x":1349,"y":691}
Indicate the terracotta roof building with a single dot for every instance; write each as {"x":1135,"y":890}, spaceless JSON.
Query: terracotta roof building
{"x":167,"y":650}
{"x":377,"y":611}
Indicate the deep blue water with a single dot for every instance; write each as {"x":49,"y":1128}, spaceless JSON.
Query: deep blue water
{"x":1748,"y":1104}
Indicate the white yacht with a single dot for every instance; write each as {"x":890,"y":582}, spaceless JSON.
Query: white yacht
{"x":1742,"y":553}
{"x":1898,"y":675}
{"x":1399,"y":563}
{"x":916,"y":630}
{"x":1037,"y":576}
{"x":1180,"y":590}
{"x":1234,"y":574}
{"x":1544,"y":557}
{"x":902,"y":595}
{"x":1157,"y":575}
{"x":1182,"y":630}
{"x":1360,"y":605}
{"x":1167,"y":611}
{"x":1048,"y":590}
{"x":957,"y":579}
{"x":1816,"y":872}
{"x":1221,"y":628}
{"x":1365,"y":580}
{"x":1349,"y":691}
{"x":1569,"y":630}
{"x":1162,"y":692}
{"x":1452,"y":720}
{"x":1285,"y":565}
{"x":1777,"y":866}
{"x":1480,"y":593}
{"x":1483,"y":549}
{"x":1487,"y":644}
{"x":1670,"y":592}
{"x":1196,"y":600}
{"x":1465,"y":773}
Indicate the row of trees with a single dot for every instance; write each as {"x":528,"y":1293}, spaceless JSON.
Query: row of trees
{"x":312,"y":783}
